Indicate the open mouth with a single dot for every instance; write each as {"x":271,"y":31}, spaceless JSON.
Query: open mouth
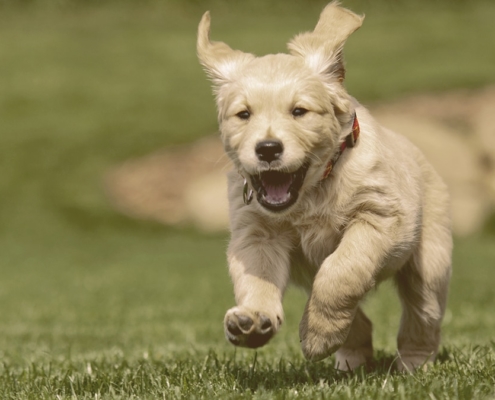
{"x":277,"y":190}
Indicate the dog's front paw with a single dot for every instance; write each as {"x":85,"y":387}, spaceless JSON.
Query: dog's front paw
{"x":320,"y":335}
{"x":247,"y":328}
{"x":316,"y":346}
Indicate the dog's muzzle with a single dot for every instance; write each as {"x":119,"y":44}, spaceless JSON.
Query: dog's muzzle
{"x":276,"y":190}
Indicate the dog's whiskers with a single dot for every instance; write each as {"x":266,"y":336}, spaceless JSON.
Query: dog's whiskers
{"x":229,"y":155}
{"x":285,"y":169}
{"x":224,"y":155}
{"x":315,"y":158}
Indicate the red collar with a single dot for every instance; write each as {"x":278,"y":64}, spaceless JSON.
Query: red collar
{"x":350,"y":141}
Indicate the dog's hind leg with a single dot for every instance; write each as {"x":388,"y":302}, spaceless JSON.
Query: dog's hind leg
{"x":358,"y":348}
{"x":423,"y":285}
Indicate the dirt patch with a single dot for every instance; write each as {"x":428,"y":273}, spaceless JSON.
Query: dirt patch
{"x":456,"y":131}
{"x":161,"y":186}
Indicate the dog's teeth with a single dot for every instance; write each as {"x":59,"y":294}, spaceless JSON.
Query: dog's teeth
{"x":277,"y":190}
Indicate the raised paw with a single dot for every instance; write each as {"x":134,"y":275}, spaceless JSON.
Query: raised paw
{"x":316,"y":346}
{"x":321,"y":335}
{"x":249,"y":328}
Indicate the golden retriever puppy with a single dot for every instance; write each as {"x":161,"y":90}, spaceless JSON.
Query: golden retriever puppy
{"x":324,"y":197}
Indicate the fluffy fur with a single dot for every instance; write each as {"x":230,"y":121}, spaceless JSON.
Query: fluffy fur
{"x":382,"y":213}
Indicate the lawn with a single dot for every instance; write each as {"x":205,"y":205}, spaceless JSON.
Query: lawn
{"x":95,"y":305}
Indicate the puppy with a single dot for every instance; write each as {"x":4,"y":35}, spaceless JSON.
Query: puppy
{"x":325,"y":198}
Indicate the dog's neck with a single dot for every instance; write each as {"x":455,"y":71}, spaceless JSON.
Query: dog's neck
{"x":349,"y":141}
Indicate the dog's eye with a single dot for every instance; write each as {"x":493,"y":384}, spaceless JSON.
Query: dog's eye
{"x":244,"y":114}
{"x":299,"y":111}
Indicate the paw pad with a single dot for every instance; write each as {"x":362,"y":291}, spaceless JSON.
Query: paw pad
{"x":265,"y":322}
{"x":233,"y":328}
{"x":245,"y":323}
{"x":253,"y":330}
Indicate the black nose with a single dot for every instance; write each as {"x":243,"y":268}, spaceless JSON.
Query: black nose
{"x":269,"y":150}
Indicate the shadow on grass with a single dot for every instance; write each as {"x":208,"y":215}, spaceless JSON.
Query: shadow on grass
{"x":287,"y":374}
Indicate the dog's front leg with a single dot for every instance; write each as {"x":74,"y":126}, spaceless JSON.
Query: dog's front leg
{"x":343,"y":279}
{"x":259,"y":268}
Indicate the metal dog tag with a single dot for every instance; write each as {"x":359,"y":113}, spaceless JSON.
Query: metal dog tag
{"x":247,"y":193}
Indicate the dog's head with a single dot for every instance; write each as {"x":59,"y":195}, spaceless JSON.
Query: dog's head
{"x":282,"y":116}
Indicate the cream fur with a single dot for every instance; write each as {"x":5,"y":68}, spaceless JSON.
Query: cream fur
{"x":382,"y":213}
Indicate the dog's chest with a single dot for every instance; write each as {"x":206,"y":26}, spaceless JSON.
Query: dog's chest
{"x":318,"y":239}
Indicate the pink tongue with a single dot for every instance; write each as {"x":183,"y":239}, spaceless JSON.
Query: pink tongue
{"x":277,"y":194}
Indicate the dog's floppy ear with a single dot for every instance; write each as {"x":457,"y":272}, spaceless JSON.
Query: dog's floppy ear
{"x":322,"y":48}
{"x":217,"y":58}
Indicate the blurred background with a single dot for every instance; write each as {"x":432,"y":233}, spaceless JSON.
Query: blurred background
{"x":112,"y":204}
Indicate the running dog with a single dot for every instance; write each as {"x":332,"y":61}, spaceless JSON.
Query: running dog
{"x":324,"y":197}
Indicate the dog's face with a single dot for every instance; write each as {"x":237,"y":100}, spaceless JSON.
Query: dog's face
{"x":278,"y":125}
{"x":281,"y":115}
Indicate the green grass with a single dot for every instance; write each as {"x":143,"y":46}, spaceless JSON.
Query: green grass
{"x":127,"y":325}
{"x":93,"y":305}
